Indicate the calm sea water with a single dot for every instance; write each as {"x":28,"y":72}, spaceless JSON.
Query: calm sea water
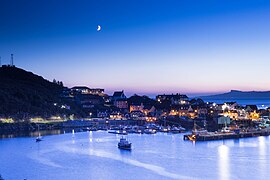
{"x":94,"y":155}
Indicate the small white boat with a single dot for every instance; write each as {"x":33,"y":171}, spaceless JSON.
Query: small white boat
{"x":123,"y":132}
{"x":124,"y":144}
{"x":175,"y":130}
{"x":138,"y":131}
{"x":39,"y":138}
{"x":182,"y":129}
{"x":164,"y":129}
{"x":198,"y":132}
{"x":225,"y":130}
{"x":150,"y":131}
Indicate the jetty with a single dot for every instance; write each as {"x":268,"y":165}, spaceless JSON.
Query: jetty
{"x":226,"y":135}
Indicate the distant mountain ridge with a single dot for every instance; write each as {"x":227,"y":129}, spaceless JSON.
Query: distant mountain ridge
{"x":235,"y":94}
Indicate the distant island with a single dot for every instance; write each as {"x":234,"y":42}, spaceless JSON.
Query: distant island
{"x":239,"y":95}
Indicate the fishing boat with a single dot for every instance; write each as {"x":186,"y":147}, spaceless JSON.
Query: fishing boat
{"x":124,"y":144}
{"x":196,"y":132}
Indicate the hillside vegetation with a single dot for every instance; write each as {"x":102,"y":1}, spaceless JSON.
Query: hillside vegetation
{"x":24,"y":94}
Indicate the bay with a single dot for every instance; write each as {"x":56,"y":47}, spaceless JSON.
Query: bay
{"x":94,"y":155}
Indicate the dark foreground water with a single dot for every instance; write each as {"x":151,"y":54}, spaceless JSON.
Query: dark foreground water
{"x":94,"y":155}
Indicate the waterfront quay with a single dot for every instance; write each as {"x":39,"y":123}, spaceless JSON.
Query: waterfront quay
{"x":101,"y":123}
{"x":228,"y":135}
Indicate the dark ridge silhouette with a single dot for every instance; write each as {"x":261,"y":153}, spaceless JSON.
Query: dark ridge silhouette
{"x":24,"y":94}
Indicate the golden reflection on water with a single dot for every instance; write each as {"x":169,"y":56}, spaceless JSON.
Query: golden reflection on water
{"x":223,"y":159}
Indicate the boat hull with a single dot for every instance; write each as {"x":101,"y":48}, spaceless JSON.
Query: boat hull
{"x":38,"y":139}
{"x":125,"y":147}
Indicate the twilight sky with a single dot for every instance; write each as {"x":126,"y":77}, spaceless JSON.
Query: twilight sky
{"x":147,"y":47}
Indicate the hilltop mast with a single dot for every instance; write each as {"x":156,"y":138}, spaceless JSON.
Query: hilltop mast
{"x":11,"y":60}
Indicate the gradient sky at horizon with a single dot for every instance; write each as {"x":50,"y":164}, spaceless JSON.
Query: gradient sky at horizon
{"x":144,"y":47}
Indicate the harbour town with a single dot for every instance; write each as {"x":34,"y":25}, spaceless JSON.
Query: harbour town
{"x":134,"y":90}
{"x":87,"y":108}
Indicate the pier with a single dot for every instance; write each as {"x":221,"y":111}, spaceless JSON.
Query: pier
{"x":228,"y":135}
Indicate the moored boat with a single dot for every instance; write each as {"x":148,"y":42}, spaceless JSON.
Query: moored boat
{"x":182,"y":129}
{"x":164,"y":129}
{"x":175,"y":130}
{"x":150,"y":131}
{"x":225,"y":130}
{"x":196,"y":132}
{"x":123,"y":132}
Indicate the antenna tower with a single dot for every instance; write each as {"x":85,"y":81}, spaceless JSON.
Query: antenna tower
{"x":11,"y":61}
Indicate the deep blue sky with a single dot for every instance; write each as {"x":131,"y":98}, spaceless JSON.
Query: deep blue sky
{"x":186,"y":46}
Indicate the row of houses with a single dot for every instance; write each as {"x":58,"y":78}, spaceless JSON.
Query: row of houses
{"x":97,"y":104}
{"x":117,"y":106}
{"x":237,"y":112}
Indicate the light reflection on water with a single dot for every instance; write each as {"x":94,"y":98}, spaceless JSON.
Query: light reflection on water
{"x":224,"y":171}
{"x":262,"y":153}
{"x":94,"y":155}
{"x":31,"y":134}
{"x":41,"y":132}
{"x":102,"y":154}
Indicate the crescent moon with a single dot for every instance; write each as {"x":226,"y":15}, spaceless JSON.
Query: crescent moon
{"x":98,"y":28}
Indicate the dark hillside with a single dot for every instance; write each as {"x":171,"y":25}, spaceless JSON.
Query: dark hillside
{"x":24,"y":94}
